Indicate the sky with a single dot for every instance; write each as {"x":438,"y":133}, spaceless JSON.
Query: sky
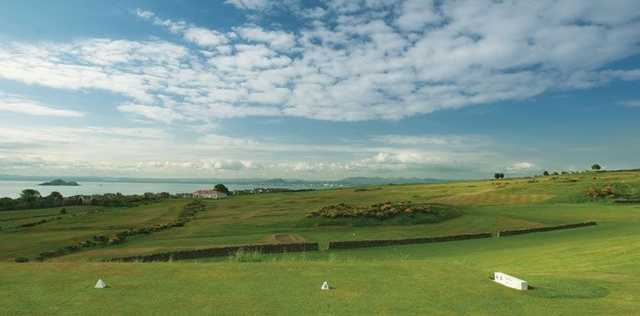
{"x":318,"y":89}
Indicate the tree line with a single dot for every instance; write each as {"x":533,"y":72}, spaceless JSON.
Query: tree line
{"x":32,"y":199}
{"x":594,"y":167}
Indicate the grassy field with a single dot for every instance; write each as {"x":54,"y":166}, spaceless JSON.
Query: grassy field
{"x":594,"y":270}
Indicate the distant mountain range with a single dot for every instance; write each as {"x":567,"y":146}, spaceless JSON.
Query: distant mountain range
{"x":353,"y":181}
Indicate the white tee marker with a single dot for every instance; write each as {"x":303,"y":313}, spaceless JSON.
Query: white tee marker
{"x":510,"y":281}
{"x":100,"y":284}
{"x":325,"y":286}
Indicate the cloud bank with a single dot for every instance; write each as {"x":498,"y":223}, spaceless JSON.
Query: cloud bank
{"x":349,"y":60}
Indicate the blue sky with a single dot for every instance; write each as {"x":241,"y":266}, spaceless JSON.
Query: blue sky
{"x":318,"y":89}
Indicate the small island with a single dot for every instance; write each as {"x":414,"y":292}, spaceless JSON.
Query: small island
{"x":60,"y":182}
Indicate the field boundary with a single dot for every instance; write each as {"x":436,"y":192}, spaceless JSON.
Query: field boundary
{"x":506,"y":233}
{"x":350,"y":244}
{"x":333,"y":245}
{"x":221,"y":252}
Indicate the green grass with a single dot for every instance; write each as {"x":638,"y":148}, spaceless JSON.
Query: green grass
{"x":593,"y":270}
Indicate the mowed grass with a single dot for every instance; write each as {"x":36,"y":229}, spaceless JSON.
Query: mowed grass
{"x":589,"y":271}
{"x":585,"y":271}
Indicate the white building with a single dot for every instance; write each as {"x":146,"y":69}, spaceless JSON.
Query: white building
{"x":209,"y":194}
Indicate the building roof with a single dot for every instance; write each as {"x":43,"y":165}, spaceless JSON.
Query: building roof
{"x":208,"y":191}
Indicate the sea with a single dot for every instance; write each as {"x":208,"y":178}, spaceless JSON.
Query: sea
{"x":12,"y":189}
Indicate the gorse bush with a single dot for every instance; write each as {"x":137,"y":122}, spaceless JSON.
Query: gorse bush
{"x":379,"y":211}
{"x":388,"y":213}
{"x":614,"y":190}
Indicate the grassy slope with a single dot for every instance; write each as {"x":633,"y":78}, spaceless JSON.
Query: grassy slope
{"x":73,"y":229}
{"x":591,"y":270}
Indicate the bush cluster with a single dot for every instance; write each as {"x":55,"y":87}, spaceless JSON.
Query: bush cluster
{"x":614,"y":190}
{"x":379,"y":211}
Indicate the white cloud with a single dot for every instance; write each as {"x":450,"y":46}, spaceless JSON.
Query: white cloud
{"x":416,"y":140}
{"x":204,"y":37}
{"x":279,"y":40}
{"x":416,"y":14}
{"x":359,"y":60}
{"x":521,"y":166}
{"x":198,"y":35}
{"x":250,"y":4}
{"x":630,"y":103}
{"x":22,"y":105}
{"x":155,"y":113}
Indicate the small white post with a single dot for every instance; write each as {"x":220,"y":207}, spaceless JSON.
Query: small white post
{"x":101,"y":284}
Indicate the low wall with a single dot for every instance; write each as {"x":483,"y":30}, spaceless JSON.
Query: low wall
{"x":221,"y":252}
{"x":629,"y":201}
{"x":393,"y":242}
{"x":544,"y":229}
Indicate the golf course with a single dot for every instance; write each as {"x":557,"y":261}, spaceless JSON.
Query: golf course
{"x":593,"y":269}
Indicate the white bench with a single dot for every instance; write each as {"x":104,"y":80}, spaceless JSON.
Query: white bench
{"x":510,"y":281}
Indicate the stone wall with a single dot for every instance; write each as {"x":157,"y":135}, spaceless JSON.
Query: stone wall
{"x":393,"y":242}
{"x":221,"y":252}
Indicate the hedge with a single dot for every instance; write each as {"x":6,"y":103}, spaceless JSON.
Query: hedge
{"x":392,"y":242}
{"x":221,"y":252}
{"x":544,"y":229}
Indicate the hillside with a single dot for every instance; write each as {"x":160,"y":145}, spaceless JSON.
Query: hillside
{"x":586,"y":270}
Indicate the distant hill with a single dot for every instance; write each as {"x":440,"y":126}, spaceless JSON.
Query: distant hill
{"x":371,"y":181}
{"x":60,"y":182}
{"x":352,"y":181}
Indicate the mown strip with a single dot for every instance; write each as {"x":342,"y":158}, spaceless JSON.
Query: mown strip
{"x":221,"y":252}
{"x":506,"y":233}
{"x":393,"y":242}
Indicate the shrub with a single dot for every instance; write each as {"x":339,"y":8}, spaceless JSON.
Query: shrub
{"x":614,"y":190}
{"x":401,"y":213}
{"x":63,"y":211}
{"x":21,"y":259}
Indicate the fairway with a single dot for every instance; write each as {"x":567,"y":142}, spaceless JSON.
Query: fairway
{"x":589,"y":270}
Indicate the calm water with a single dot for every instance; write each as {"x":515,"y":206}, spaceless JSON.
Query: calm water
{"x":13,"y":188}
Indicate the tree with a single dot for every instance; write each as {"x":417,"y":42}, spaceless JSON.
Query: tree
{"x":30,"y":196}
{"x":498,"y":175}
{"x":7,"y":203}
{"x":54,"y":199}
{"x":596,"y":167}
{"x":221,"y":188}
{"x":545,"y":173}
